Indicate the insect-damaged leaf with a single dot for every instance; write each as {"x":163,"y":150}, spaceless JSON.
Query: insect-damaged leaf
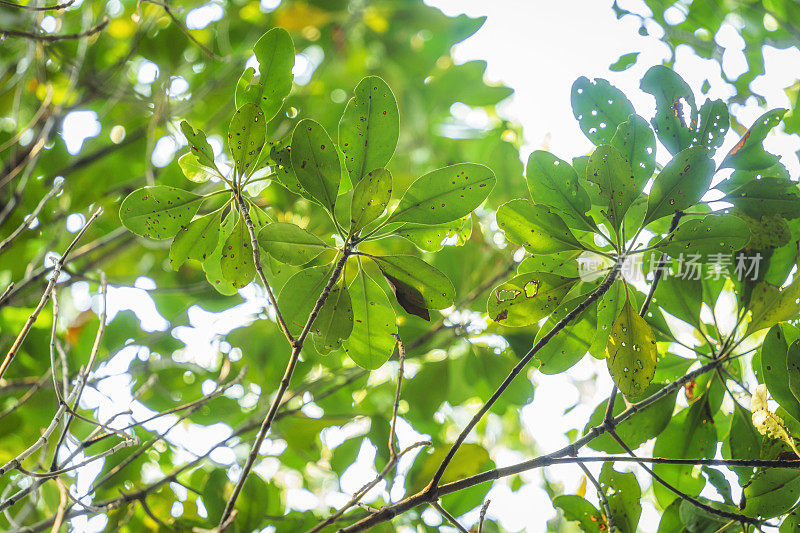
{"x":158,"y":212}
{"x":315,"y":162}
{"x":275,"y":54}
{"x":768,"y":423}
{"x":445,"y":194}
{"x":635,"y":141}
{"x":623,"y":493}
{"x":774,"y":356}
{"x":707,"y":237}
{"x":749,"y":153}
{"x":766,"y":197}
{"x":335,"y":320}
{"x":197,"y":240}
{"x":432,"y":238}
{"x":713,"y":125}
{"x":536,"y":227}
{"x":674,"y":128}
{"x":527,"y":298}
{"x":237,"y":257}
{"x":612,"y":173}
{"x":246,"y":136}
{"x":577,"y":509}
{"x":599,"y":108}
{"x":212,"y":264}
{"x":631,"y":352}
{"x":553,"y":182}
{"x":771,"y":492}
{"x":681,"y":184}
{"x":770,"y":305}
{"x":193,"y":169}
{"x":300,"y":294}
{"x":370,"y":343}
{"x":435,"y":290}
{"x":289,"y":243}
{"x":369,"y":128}
{"x":370,"y":196}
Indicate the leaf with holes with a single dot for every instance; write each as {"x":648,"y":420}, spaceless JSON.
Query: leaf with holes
{"x":577,"y":509}
{"x":237,"y":257}
{"x":623,"y":493}
{"x":193,"y":170}
{"x":198,"y":145}
{"x":369,"y":128}
{"x":445,"y":194}
{"x":246,"y":136}
{"x":158,"y":212}
{"x":713,"y":125}
{"x":674,"y":125}
{"x":706,"y":238}
{"x":636,"y":142}
{"x":771,"y":492}
{"x":681,"y":184}
{"x":599,"y":108}
{"x":553,"y":182}
{"x":435,"y":289}
{"x":370,"y":196}
{"x":613,"y":175}
{"x":315,"y":162}
{"x":765,"y":421}
{"x":608,"y":308}
{"x":370,"y":343}
{"x":335,"y":320}
{"x":749,"y":153}
{"x":300,"y":294}
{"x":289,"y":243}
{"x":197,"y":240}
{"x":432,"y":238}
{"x":536,"y":227}
{"x":631,"y":352}
{"x":527,"y":298}
{"x":275,"y":54}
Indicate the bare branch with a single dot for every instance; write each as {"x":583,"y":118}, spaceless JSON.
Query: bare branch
{"x":450,"y":518}
{"x":53,"y":38}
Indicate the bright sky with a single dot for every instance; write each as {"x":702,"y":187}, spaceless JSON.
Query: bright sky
{"x":537,"y":47}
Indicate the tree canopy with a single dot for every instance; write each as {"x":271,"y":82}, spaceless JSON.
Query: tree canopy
{"x":249,"y":253}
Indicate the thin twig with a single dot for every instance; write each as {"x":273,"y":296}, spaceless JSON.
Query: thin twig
{"x":450,"y":518}
{"x":601,"y":495}
{"x":484,"y":508}
{"x":53,"y":38}
{"x":401,"y":357}
{"x":59,"y":264}
{"x":56,"y":7}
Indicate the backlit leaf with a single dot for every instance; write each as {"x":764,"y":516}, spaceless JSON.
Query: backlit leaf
{"x":246,"y":136}
{"x":275,"y":54}
{"x":370,"y":196}
{"x":315,"y":162}
{"x":237,"y":257}
{"x":707,"y":237}
{"x":197,"y":240}
{"x":749,"y":153}
{"x":527,"y":298}
{"x":289,"y":243}
{"x":681,"y":184}
{"x":553,"y":182}
{"x":636,"y":142}
{"x":158,"y":212}
{"x":623,"y":493}
{"x":370,"y":343}
{"x":673,"y":122}
{"x":631,"y":352}
{"x":599,"y":107}
{"x":536,"y":227}
{"x":613,"y":175}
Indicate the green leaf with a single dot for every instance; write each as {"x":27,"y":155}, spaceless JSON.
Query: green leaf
{"x":315,"y":162}
{"x":749,"y":153}
{"x":563,"y":263}
{"x":623,"y":493}
{"x":370,"y":343}
{"x":571,"y":343}
{"x":553,"y":182}
{"x":624,"y":62}
{"x":577,"y":509}
{"x":691,"y":434}
{"x":289,"y":243}
{"x":713,"y":125}
{"x":536,"y":227}
{"x":697,"y":520}
{"x":370,"y":197}
{"x":681,"y":184}
{"x":445,"y":194}
{"x":771,"y":492}
{"x":197,"y":240}
{"x":258,"y":501}
{"x":469,"y":459}
{"x":237,"y":257}
{"x":637,"y":429}
{"x":791,"y":523}
{"x":335,"y":320}
{"x":198,"y":144}
{"x":275,"y":54}
{"x":612,"y":173}
{"x":682,"y":298}
{"x":431,"y":238}
{"x":369,"y":128}
{"x":631,"y":352}
{"x":299,"y":296}
{"x":636,"y":142}
{"x":775,"y":362}
{"x":608,"y":309}
{"x":743,"y":440}
{"x":158,"y":212}
{"x":282,"y":171}
{"x":212,"y":264}
{"x":527,"y":298}
{"x":767,"y":197}
{"x":599,"y":108}
{"x":193,"y":170}
{"x":246,"y":136}
{"x":214,"y":494}
{"x":770,"y":305}
{"x":710,"y":236}
{"x":675,"y":130}
{"x":435,"y":290}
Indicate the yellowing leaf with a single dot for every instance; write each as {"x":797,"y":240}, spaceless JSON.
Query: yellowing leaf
{"x":768,"y":423}
{"x":631,"y":352}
